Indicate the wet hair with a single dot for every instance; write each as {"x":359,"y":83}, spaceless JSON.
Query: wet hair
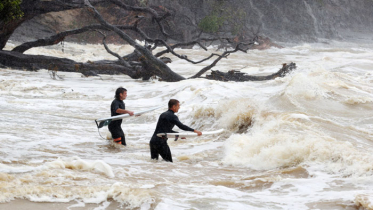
{"x":172,"y":102}
{"x":119,"y":91}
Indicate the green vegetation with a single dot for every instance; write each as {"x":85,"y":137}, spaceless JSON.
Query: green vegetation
{"x":10,"y":10}
{"x":223,"y":13}
{"x":211,"y":23}
{"x":236,"y":18}
{"x":143,"y":3}
{"x":321,"y":2}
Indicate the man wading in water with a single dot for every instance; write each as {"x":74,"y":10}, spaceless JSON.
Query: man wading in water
{"x":167,"y":120}
{"x":117,"y":108}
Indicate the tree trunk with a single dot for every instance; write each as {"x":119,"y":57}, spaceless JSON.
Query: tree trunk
{"x":36,"y":62}
{"x":7,"y":29}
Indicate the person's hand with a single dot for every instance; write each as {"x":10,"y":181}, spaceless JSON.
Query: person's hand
{"x":183,"y":138}
{"x":130,"y":113}
{"x":198,"y":132}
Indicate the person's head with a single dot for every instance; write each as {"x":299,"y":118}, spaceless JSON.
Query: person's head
{"x":121,"y":93}
{"x":174,"y":105}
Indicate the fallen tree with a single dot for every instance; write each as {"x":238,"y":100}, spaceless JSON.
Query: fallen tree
{"x":142,"y":63}
{"x":237,"y":76}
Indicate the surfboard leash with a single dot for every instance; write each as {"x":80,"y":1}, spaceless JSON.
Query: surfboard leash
{"x":98,"y":130}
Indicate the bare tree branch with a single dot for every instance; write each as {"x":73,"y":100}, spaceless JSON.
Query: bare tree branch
{"x":180,"y":45}
{"x":224,"y":55}
{"x":154,"y":63}
{"x":121,"y":60}
{"x":55,"y":39}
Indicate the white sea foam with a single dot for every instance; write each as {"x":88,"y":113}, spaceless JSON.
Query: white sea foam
{"x":282,"y":141}
{"x":75,"y":163}
{"x":364,"y":201}
{"x":290,"y":143}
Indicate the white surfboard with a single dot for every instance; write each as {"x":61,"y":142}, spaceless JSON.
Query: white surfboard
{"x":187,"y":134}
{"x":105,"y":121}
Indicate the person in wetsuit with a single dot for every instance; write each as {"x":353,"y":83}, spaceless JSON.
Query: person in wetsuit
{"x":117,"y":108}
{"x":167,"y":120}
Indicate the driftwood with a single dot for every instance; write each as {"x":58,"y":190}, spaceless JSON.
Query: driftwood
{"x":238,"y":76}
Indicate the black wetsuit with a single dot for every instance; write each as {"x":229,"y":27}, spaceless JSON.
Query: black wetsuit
{"x":158,"y":145}
{"x":115,"y":126}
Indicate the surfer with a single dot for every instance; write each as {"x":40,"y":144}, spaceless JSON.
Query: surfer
{"x":118,"y":107}
{"x":167,"y":120}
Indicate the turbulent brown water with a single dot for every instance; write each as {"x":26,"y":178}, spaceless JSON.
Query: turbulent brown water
{"x":304,"y":141}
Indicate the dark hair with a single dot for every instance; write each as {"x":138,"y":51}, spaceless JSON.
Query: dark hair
{"x":172,"y":102}
{"x":119,"y":91}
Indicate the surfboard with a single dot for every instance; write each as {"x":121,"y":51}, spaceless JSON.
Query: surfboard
{"x":105,"y":121}
{"x":187,"y":134}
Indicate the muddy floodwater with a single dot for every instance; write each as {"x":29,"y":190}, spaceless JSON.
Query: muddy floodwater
{"x":304,"y":141}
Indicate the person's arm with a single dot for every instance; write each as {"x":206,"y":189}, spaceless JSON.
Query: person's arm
{"x":123,"y":111}
{"x":181,"y":125}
